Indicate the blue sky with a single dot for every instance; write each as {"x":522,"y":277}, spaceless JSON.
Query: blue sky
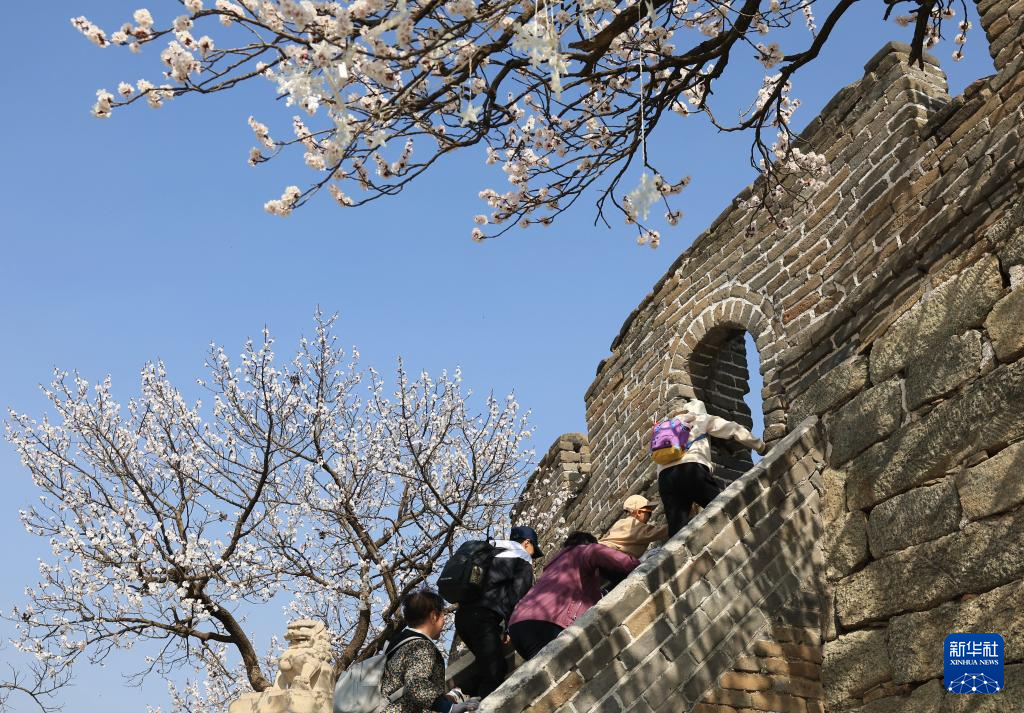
{"x":144,"y":237}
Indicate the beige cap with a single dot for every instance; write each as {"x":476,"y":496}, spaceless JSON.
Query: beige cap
{"x":637,"y":502}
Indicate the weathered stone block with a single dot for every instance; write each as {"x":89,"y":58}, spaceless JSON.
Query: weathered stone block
{"x":843,"y":382}
{"x":983,"y":555}
{"x":938,"y":372}
{"x":833,"y":496}
{"x":1016,"y":276}
{"x":915,"y":640}
{"x":854,"y":663}
{"x":1005,"y":325}
{"x":916,"y":516}
{"x":868,"y":418}
{"x":952,"y":308}
{"x":845,"y":544}
{"x":986,"y":415}
{"x":1013,"y":251}
{"x":995,"y":485}
{"x":924,"y":699}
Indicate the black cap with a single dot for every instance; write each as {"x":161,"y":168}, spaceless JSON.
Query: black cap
{"x":522,"y":532}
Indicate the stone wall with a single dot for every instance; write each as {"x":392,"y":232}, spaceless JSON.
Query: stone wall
{"x":780,"y":672}
{"x":711,"y":599}
{"x":926,"y":481}
{"x":778,"y":287}
{"x":893,"y":311}
{"x":550,"y":494}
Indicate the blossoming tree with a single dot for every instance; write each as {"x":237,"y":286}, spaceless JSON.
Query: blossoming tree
{"x":308,"y":483}
{"x":563,"y":94}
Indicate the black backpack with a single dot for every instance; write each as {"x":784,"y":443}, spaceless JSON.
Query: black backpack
{"x":463,"y":577}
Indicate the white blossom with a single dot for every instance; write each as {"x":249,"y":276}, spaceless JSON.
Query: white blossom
{"x":283,"y":206}
{"x":559,"y":95}
{"x":144,"y":19}
{"x":308,"y":479}
{"x":104,"y":103}
{"x":94,"y":33}
{"x":643,"y":197}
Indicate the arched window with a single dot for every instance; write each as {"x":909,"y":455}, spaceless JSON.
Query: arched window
{"x":721,"y":367}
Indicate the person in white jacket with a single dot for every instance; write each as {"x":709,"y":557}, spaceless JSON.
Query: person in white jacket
{"x":686,"y":481}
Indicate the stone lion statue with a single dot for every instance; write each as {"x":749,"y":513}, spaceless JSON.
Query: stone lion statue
{"x":307,"y":663}
{"x":305,"y":682}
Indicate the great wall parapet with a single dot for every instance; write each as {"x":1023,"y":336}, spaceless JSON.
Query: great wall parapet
{"x":890,"y":315}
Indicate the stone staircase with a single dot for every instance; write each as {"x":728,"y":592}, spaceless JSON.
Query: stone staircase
{"x":726,"y":616}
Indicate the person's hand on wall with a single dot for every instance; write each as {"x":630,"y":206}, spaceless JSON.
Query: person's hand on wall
{"x":456,"y":696}
{"x":471,"y":705}
{"x":761,"y":448}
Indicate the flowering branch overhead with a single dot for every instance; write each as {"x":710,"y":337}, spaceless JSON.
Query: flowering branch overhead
{"x":562,"y":93}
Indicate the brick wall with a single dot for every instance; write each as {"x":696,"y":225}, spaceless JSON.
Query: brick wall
{"x":779,"y":672}
{"x":704,"y":603}
{"x":778,"y":286}
{"x":925,"y":496}
{"x":551,"y":492}
{"x":889,"y":323}
{"x":1002,"y":21}
{"x":893,"y":311}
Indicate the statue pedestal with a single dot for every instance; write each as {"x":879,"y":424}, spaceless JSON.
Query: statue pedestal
{"x":275,"y":700}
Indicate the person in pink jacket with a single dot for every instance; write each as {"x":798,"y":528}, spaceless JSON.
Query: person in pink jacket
{"x":570,"y":585}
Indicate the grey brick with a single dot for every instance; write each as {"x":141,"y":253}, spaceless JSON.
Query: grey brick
{"x":679,"y":644}
{"x":649,"y":642}
{"x":671,"y":678}
{"x":597,"y":687}
{"x":639,"y":679}
{"x":602,"y":654}
{"x":710,"y":522}
{"x":715,"y":604}
{"x":728,"y":536}
{"x":704,"y":644}
{"x":689,"y":603}
{"x":705,"y":676}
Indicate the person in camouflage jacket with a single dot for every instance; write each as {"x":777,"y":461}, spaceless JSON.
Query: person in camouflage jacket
{"x":417,"y":666}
